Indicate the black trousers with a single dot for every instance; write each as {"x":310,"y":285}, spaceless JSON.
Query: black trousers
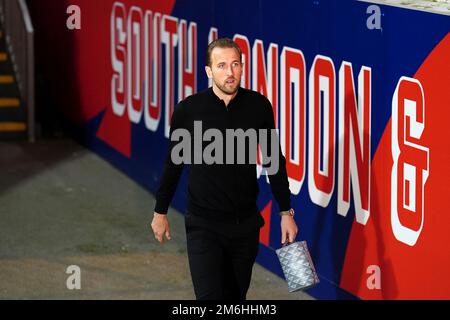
{"x":221,"y":264}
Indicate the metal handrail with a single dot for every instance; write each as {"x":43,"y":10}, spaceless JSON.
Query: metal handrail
{"x":19,"y":35}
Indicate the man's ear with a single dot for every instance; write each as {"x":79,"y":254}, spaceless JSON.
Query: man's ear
{"x":208,"y":71}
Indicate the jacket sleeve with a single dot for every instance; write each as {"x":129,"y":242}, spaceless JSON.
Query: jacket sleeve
{"x":279,"y":183}
{"x":171,"y":173}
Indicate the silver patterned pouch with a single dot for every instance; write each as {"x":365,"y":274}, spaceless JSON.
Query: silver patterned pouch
{"x":297,"y":266}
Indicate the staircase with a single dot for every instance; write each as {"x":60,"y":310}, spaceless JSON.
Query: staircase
{"x":17,"y":101}
{"x":13,"y":115}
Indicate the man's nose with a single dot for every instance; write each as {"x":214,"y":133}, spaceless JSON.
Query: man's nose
{"x":229,"y":70}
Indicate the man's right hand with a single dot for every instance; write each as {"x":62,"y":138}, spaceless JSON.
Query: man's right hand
{"x":160,"y":227}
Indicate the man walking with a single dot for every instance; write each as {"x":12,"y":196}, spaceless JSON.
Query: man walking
{"x":222,"y":219}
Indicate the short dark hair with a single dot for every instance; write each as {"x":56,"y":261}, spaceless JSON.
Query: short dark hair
{"x":222,"y":43}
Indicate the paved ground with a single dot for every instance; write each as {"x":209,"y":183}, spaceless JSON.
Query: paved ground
{"x":62,"y":205}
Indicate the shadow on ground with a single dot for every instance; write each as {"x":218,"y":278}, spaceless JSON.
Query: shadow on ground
{"x":62,"y":205}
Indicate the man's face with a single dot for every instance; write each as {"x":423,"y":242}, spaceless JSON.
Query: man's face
{"x":225,"y":70}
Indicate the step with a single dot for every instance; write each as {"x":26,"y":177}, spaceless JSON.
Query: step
{"x":4,"y":79}
{"x":9,"y":102}
{"x":12,"y":126}
{"x":3,"y":56}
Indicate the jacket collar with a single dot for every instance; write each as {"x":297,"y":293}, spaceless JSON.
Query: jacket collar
{"x":215,"y":98}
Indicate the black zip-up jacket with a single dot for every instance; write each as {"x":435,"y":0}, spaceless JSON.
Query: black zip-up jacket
{"x":222,"y":192}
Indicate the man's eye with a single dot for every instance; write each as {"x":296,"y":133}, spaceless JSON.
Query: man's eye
{"x":220,"y":66}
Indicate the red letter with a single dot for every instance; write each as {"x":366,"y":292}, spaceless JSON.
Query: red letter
{"x":265,"y":79}
{"x":411,"y":161}
{"x":321,"y":135}
{"x":135,"y":64}
{"x":292,"y":115}
{"x":213,"y":34}
{"x":187,"y":60}
{"x":118,"y":59}
{"x":169,"y":38}
{"x":354,"y":142}
{"x":243,"y":43}
{"x":152,"y":71}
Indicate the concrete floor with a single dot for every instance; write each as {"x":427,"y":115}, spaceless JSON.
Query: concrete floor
{"x":62,"y":205}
